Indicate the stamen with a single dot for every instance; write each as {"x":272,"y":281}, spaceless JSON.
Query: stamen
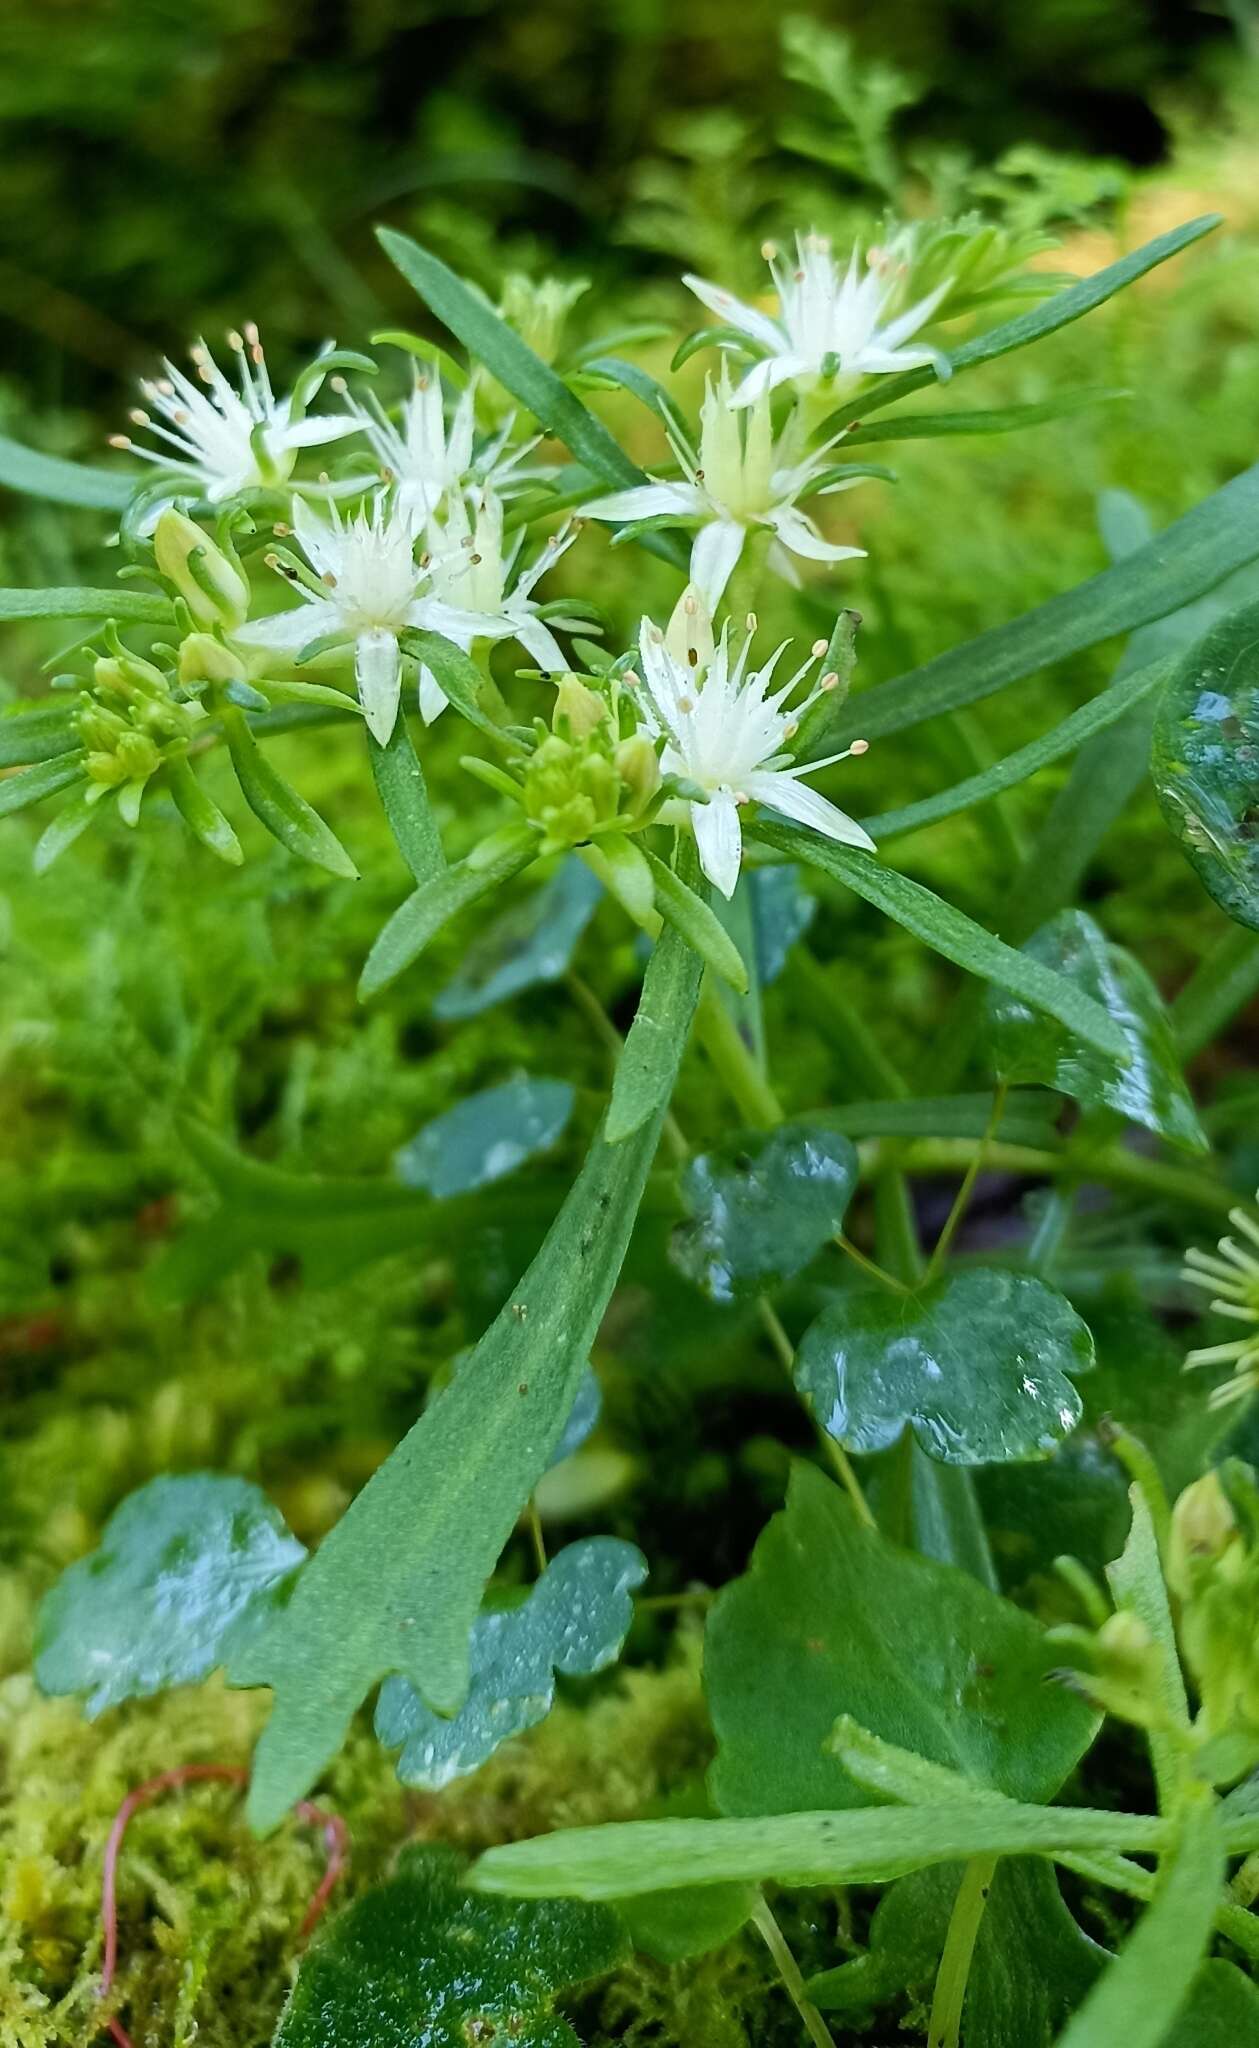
{"x":818,"y":649}
{"x":859,"y":747}
{"x":138,"y":416}
{"x":119,"y":441}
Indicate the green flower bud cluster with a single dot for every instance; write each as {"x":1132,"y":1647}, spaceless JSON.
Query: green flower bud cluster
{"x":131,"y":723}
{"x":1213,"y":1571}
{"x":587,"y":776}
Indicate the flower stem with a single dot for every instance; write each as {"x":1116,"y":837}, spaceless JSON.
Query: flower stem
{"x":721,"y":1039}
{"x":945,"y":2030}
{"x":789,"y":1970}
{"x":838,"y":1456}
{"x":962,"y":1198}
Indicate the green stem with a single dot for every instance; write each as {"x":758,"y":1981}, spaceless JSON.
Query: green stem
{"x":838,"y":1456}
{"x":789,"y":1970}
{"x":962,"y":1198}
{"x":945,"y":2030}
{"x":722,"y":1040}
{"x":1114,"y":1166}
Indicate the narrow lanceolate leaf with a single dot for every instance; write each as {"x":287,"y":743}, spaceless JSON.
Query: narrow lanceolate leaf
{"x":397,"y":1585}
{"x":574,"y":1620}
{"x":60,"y":482}
{"x":1081,"y":725}
{"x":870,"y":1845}
{"x":1205,"y":766}
{"x":1002,"y":419}
{"x":403,"y":793}
{"x":138,"y":607}
{"x":439,"y":899}
{"x":457,"y":673}
{"x":1183,"y":562}
{"x":287,"y":816}
{"x":1047,"y":318}
{"x":698,"y":923}
{"x":490,"y":341}
{"x":202,"y":815}
{"x":186,"y":1569}
{"x":37,"y":735}
{"x":649,"y":1062}
{"x":950,"y":932}
{"x":32,"y":785}
{"x":1136,"y":2001}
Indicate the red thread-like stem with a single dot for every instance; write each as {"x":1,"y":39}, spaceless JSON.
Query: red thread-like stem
{"x":336,"y":1842}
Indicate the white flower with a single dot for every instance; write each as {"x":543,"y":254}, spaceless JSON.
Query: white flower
{"x":470,"y":570}
{"x":725,"y":729}
{"x":739,"y":482}
{"x":425,"y":456}
{"x":828,"y":322}
{"x":1231,"y":1276}
{"x":228,"y":439}
{"x":366,"y":589}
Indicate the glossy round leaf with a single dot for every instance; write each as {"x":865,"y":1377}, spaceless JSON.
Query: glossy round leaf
{"x":1147,"y":1086}
{"x":976,"y":1366}
{"x":186,"y":1571}
{"x":1205,"y":762}
{"x":486,"y":1136}
{"x":761,"y":1208}
{"x":532,"y":942}
{"x":420,"y":1963}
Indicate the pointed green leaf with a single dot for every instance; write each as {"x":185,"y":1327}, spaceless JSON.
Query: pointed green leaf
{"x":833,"y":1619}
{"x":287,"y":816}
{"x":201,"y":814}
{"x":648,"y":1065}
{"x":976,"y":1366}
{"x":761,"y":1208}
{"x":698,"y":923}
{"x":1002,"y":419}
{"x":1147,"y":1086}
{"x":530,"y":944}
{"x":485,"y":1136}
{"x":61,"y":482}
{"x":31,"y":785}
{"x":403,"y":793}
{"x":1222,"y":2011}
{"x":70,"y":823}
{"x":38,"y":733}
{"x":187,"y":1569}
{"x":1205,"y":762}
{"x":575,"y":1619}
{"x":1138,"y":1997}
{"x":128,"y":607}
{"x":417,"y":1963}
{"x":398,"y":1583}
{"x":952,"y":933}
{"x":458,"y":675}
{"x":443,"y":896}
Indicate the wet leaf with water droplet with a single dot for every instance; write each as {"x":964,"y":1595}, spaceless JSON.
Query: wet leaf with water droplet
{"x":485,"y":1136}
{"x":420,"y":1963}
{"x":976,"y":1366}
{"x":574,"y":1620}
{"x":1205,"y":762}
{"x":531,"y":942}
{"x":187,"y":1570}
{"x":833,"y":1619}
{"x":1148,"y":1086}
{"x":761,"y":1208}
{"x":782,"y":911}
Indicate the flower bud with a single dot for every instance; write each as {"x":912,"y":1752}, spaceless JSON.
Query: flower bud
{"x":1204,"y":1536}
{"x":638,"y":765}
{"x":1126,"y":1649}
{"x":205,"y":659}
{"x":578,"y":708}
{"x":213,"y":588}
{"x":129,"y":678}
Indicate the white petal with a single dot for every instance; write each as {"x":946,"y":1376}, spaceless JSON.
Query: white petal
{"x":718,"y":839}
{"x":318,"y":539}
{"x":734,"y":313}
{"x":909,"y":322}
{"x":715,"y":551}
{"x":288,"y":632}
{"x":378,"y":673}
{"x":774,"y":370}
{"x":798,"y":533}
{"x":434,"y":615}
{"x":874,"y":361}
{"x":433,"y":699}
{"x":319,"y":428}
{"x":537,"y":639}
{"x":647,"y":501}
{"x":794,"y":799}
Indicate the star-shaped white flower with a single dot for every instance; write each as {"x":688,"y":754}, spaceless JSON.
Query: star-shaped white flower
{"x":828,"y":322}
{"x":365,"y":589}
{"x":427,"y":456}
{"x":740,"y":481}
{"x":229,"y":438}
{"x":472,"y":570}
{"x":725,"y":728}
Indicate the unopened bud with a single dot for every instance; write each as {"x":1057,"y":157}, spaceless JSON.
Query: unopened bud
{"x":638,"y":765}
{"x":205,"y":659}
{"x":581,"y":708}
{"x":1204,"y":1535}
{"x":213,"y":588}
